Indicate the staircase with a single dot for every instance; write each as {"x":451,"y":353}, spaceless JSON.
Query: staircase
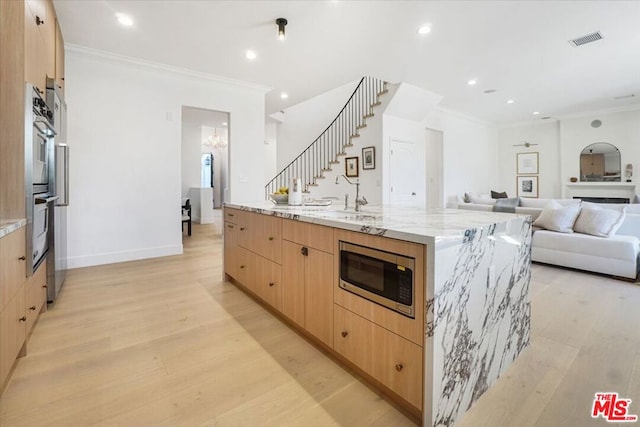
{"x":327,"y":148}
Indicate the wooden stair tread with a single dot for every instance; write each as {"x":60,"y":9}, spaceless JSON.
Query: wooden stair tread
{"x":354,"y":136}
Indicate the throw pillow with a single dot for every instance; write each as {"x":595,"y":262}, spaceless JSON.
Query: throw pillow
{"x":556,"y":217}
{"x":496,"y":195}
{"x":506,"y":205}
{"x":599,"y":222}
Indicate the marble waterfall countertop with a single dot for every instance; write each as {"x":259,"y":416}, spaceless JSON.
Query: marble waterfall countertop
{"x":412,"y":224}
{"x":9,"y":226}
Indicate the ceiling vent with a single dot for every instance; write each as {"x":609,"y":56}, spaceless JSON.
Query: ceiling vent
{"x":632,"y":95}
{"x":586,"y":39}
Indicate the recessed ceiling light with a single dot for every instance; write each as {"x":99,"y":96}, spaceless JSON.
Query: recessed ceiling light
{"x":224,"y":123}
{"x":535,"y":113}
{"x":251,"y":55}
{"x":490,"y":90}
{"x":284,"y":95}
{"x":472,"y":82}
{"x":425,"y":29}
{"x":511,"y":101}
{"x":125,"y":20}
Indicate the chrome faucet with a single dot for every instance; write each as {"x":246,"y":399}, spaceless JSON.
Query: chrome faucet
{"x":360,"y":201}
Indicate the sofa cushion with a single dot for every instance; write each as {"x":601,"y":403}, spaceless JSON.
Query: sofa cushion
{"x":474,"y":207}
{"x":481,"y":200}
{"x":630,"y":226}
{"x":628,"y":207}
{"x":541,"y":203}
{"x":498,"y":195}
{"x":559,"y":218}
{"x":506,"y":205}
{"x":599,"y":222}
{"x":620,"y":247}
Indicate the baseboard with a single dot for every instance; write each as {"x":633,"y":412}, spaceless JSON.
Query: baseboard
{"x":114,"y":257}
{"x":203,"y":220}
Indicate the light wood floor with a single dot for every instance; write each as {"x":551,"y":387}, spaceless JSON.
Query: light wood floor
{"x":167,"y":342}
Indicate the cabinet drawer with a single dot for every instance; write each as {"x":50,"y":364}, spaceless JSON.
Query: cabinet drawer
{"x":353,"y":336}
{"x":268,"y":281}
{"x":36,"y":294}
{"x":398,"y":364}
{"x":12,"y":264}
{"x":387,"y":357}
{"x":310,"y":235}
{"x":261,"y":234}
{"x":231,"y":215}
{"x":230,"y":235}
{"x":12,"y":332}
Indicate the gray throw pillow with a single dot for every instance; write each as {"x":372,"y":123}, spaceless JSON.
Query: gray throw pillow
{"x":496,"y":195}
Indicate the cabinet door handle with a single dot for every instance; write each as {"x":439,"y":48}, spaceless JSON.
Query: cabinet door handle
{"x":242,"y":266}
{"x":304,"y":251}
{"x":32,"y":308}
{"x":271,"y":284}
{"x":44,"y":286}
{"x":241,"y":228}
{"x":344,"y":334}
{"x":270,"y":238}
{"x":22,"y":258}
{"x":39,"y":21}
{"x":399,"y":367}
{"x":230,"y":214}
{"x":23,"y":319}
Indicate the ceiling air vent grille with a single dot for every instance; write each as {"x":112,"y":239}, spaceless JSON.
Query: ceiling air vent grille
{"x":586,"y":39}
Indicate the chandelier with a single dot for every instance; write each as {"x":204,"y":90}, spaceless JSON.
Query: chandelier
{"x":215,"y":140}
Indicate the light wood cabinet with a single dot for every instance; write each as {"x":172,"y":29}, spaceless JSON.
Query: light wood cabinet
{"x":231,"y":249}
{"x":59,"y":58}
{"x":12,"y":265}
{"x":48,"y":31}
{"x":35,"y":46}
{"x":35,"y":295}
{"x":12,"y":57}
{"x":12,"y":333}
{"x":388,"y":358}
{"x":261,"y":234}
{"x":309,"y":277}
{"x":267,"y":280}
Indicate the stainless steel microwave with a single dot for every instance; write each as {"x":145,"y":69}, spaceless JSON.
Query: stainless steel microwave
{"x":382,"y":277}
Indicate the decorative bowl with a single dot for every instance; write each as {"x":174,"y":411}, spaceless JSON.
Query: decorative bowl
{"x":279,"y":199}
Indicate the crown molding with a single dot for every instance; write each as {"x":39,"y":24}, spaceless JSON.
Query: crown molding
{"x":73,"y":48}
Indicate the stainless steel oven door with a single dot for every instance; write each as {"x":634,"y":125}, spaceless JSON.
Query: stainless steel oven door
{"x":41,"y":139}
{"x":40,"y":227}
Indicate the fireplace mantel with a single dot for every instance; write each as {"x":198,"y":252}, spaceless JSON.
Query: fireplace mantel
{"x":600,"y":189}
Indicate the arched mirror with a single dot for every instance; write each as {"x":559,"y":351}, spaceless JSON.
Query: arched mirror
{"x":600,"y":162}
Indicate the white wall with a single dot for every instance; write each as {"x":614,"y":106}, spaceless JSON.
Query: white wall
{"x":270,"y":150}
{"x":124,"y":130}
{"x":304,"y":122}
{"x":470,"y":152}
{"x":621,"y":129}
{"x":547,"y":135}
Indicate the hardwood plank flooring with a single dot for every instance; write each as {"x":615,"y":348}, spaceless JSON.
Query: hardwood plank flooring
{"x":167,"y":342}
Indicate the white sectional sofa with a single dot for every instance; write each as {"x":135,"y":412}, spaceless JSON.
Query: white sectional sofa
{"x":616,"y":255}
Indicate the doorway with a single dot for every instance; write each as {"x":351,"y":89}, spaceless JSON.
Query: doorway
{"x":433,"y":166}
{"x":205,"y":142}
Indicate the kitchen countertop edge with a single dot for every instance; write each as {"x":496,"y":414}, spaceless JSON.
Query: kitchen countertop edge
{"x":9,"y":226}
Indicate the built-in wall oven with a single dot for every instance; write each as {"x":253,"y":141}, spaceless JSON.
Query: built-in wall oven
{"x":382,"y":277}
{"x":39,"y":133}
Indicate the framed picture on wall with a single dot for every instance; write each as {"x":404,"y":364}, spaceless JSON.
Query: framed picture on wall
{"x":351,"y":167}
{"x":527,"y":186}
{"x":369,"y":158}
{"x":527,"y":163}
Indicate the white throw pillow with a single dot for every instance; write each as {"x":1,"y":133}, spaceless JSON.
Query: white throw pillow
{"x":599,"y":222}
{"x":481,"y":200}
{"x":556,"y":217}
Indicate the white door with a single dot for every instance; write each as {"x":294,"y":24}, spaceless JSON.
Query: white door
{"x":402,"y":173}
{"x":433,"y":166}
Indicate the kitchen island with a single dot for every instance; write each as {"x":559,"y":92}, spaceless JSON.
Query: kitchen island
{"x":472,"y":309}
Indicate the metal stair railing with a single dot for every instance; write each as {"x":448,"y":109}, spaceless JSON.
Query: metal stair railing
{"x":324,"y":151}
